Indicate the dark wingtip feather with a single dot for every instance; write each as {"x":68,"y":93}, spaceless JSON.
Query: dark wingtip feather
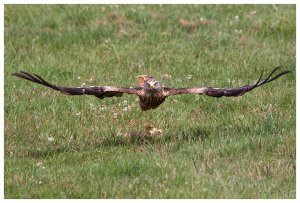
{"x":34,"y":78}
{"x":25,"y":76}
{"x":269,"y":79}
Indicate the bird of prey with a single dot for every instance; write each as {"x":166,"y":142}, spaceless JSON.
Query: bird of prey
{"x":150,"y":91}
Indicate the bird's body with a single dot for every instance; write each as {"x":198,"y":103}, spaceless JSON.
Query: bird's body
{"x":150,"y":91}
{"x":151,"y":101}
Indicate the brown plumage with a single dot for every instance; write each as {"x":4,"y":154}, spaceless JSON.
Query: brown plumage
{"x":150,"y":91}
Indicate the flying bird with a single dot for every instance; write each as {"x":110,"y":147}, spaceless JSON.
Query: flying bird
{"x":150,"y":91}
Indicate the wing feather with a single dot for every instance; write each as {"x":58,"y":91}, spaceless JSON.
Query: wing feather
{"x":227,"y":92}
{"x":98,"y":91}
{"x":174,"y":91}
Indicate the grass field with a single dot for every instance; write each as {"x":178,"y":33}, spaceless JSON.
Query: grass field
{"x":57,"y":146}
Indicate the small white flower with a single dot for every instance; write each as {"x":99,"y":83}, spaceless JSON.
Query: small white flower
{"x":77,"y":114}
{"x":40,"y":182}
{"x":155,"y":131}
{"x":237,"y":17}
{"x":189,"y":77}
{"x":78,"y":77}
{"x":167,"y":76}
{"x":102,"y":108}
{"x":50,"y":139}
{"x":125,"y":108}
{"x":238,"y":31}
{"x":40,"y":163}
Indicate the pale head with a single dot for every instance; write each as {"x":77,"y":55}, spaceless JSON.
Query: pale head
{"x":149,"y":83}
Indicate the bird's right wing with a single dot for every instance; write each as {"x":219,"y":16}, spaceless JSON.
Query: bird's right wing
{"x":98,"y":91}
{"x":220,"y":92}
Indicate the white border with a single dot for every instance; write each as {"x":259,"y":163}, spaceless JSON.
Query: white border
{"x":297,"y":99}
{"x":149,"y":2}
{"x":128,"y":2}
{"x":2,"y":99}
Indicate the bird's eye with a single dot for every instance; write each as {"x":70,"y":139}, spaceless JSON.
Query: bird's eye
{"x":155,"y":84}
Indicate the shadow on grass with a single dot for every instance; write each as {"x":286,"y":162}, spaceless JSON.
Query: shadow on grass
{"x":135,"y":138}
{"x":139,"y":138}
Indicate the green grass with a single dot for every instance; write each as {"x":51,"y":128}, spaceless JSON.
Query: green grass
{"x":58,"y":146}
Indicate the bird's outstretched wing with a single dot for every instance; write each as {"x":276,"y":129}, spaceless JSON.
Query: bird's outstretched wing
{"x":227,"y":92}
{"x":98,"y":91}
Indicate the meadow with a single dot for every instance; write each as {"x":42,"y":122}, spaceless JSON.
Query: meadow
{"x":58,"y":146}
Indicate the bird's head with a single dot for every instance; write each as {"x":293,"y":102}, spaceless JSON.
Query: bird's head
{"x":149,"y":83}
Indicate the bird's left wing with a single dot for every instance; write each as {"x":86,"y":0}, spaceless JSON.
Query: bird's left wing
{"x":227,"y":92}
{"x":98,"y":91}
